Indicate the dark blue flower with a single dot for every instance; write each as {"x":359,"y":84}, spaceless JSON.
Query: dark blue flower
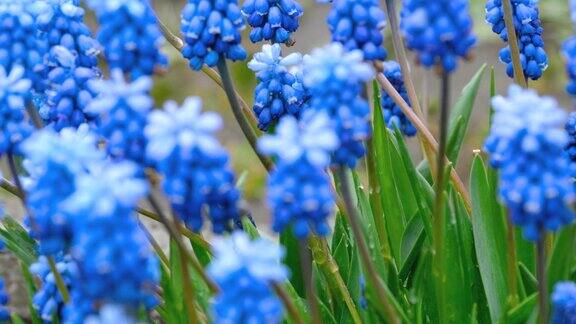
{"x":272,"y":20}
{"x":67,"y":93}
{"x":569,"y":53}
{"x":4,"y":299}
{"x":564,"y":303}
{"x":123,"y":108}
{"x":194,"y":165}
{"x":278,"y":92}
{"x":571,"y":146}
{"x":130,"y":35}
{"x":244,"y":270}
{"x":526,"y":144}
{"x":528,"y":31}
{"x":393,"y":115}
{"x":335,"y":78}
{"x":359,"y":25}
{"x":439,"y":31}
{"x":211,"y":29}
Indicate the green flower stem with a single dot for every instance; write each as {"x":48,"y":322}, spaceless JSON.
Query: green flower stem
{"x":306,"y":266}
{"x":326,"y":264}
{"x":401,"y":56}
{"x":427,"y":138}
{"x":240,"y":118}
{"x":163,"y":257}
{"x":542,"y":281}
{"x":389,"y":312}
{"x":57,"y":276}
{"x":519,"y":77}
{"x":175,"y":234}
{"x":512,"y":261}
{"x":288,"y":303}
{"x":189,"y":295}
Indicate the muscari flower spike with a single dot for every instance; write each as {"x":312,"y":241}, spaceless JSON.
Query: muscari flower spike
{"x":47,"y":300}
{"x":211,"y":29}
{"x":182,"y":147}
{"x":569,"y":54}
{"x":528,"y":31}
{"x":14,"y":128}
{"x":334,"y":78}
{"x":439,"y":32}
{"x":67,"y":93}
{"x":244,"y":270}
{"x":358,"y":25}
{"x":19,"y":41}
{"x":564,"y":303}
{"x":112,"y":313}
{"x":123,"y":108}
{"x":570,"y":148}
{"x":130,"y":35}
{"x":526,"y":144}
{"x":61,"y":23}
{"x":278,"y":92}
{"x":4,"y":299}
{"x":53,"y":160}
{"x":272,"y":20}
{"x":393,"y":115}
{"x":299,"y":190}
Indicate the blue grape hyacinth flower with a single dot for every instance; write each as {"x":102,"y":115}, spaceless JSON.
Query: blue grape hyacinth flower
{"x":393,"y":115}
{"x":130,"y":35}
{"x":53,"y":160}
{"x":123,"y":108}
{"x":115,"y":261}
{"x":67,"y":93}
{"x":272,"y":20}
{"x":4,"y":299}
{"x":197,"y":175}
{"x":244,"y":270}
{"x":47,"y":300}
{"x":61,"y":23}
{"x":334,"y":78}
{"x":439,"y":32}
{"x":526,"y":144}
{"x":278,"y":92}
{"x":564,"y":303}
{"x":359,"y":25}
{"x":211,"y":30}
{"x":569,"y":54}
{"x":19,"y":41}
{"x":570,"y":148}
{"x":299,"y":190}
{"x":528,"y":29}
{"x":14,"y":128}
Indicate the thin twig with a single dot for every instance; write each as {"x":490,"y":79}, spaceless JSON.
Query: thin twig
{"x":513,"y":43}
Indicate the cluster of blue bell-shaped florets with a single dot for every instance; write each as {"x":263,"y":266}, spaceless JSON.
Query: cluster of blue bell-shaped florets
{"x":130,"y":35}
{"x":569,"y":54}
{"x":393,"y":115}
{"x":526,"y":144}
{"x":211,"y":29}
{"x":4,"y":298}
{"x":571,"y":146}
{"x":67,"y":92}
{"x":528,"y":31}
{"x":564,"y":302}
{"x":439,"y":32}
{"x":359,"y":24}
{"x":197,"y":175}
{"x":47,"y":300}
{"x":272,"y":20}
{"x":278,"y":92}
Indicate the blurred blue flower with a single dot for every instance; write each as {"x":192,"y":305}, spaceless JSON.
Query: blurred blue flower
{"x":299,"y":191}
{"x":211,"y":30}
{"x":569,"y":54}
{"x":4,"y":299}
{"x":564,"y":303}
{"x":393,"y":115}
{"x":528,"y":31}
{"x":439,"y":32}
{"x":19,"y":41}
{"x":14,"y":127}
{"x":123,"y":108}
{"x":335,"y":78}
{"x":130,"y":35}
{"x":272,"y":20}
{"x":67,"y":93}
{"x":244,"y":270}
{"x":278,"y":92}
{"x":182,"y":146}
{"x":570,"y":148}
{"x":526,"y":144}
{"x":53,"y":160}
{"x":113,"y":313}
{"x":359,"y":25}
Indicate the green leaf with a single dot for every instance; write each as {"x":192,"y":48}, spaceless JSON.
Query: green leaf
{"x":563,"y":256}
{"x":292,"y":260}
{"x":18,"y":241}
{"x":530,"y":282}
{"x":412,"y":241}
{"x":489,"y":233}
{"x":249,"y":228}
{"x":522,"y":312}
{"x":30,"y":291}
{"x":462,"y":111}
